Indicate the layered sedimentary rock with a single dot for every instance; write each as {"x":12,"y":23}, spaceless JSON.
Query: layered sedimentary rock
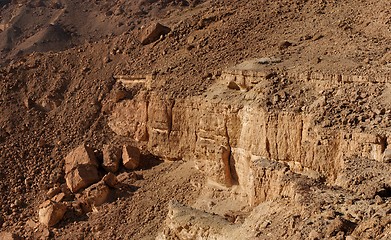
{"x":226,"y":131}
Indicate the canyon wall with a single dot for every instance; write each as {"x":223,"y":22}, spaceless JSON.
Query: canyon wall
{"x":230,"y":136}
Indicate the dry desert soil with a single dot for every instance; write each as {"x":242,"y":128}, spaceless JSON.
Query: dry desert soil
{"x":195,"y":119}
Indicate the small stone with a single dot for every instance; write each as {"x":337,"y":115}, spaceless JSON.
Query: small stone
{"x":50,"y":213}
{"x":59,"y":197}
{"x":379,"y":200}
{"x":153,"y":33}
{"x":31,"y":224}
{"x":276,"y":98}
{"x":330,"y":214}
{"x":350,"y":238}
{"x":28,"y":103}
{"x":233,"y":85}
{"x":41,"y":143}
{"x":315,"y":235}
{"x":111,"y":158}
{"x":339,"y":224}
{"x":53,"y":191}
{"x":111,"y":180}
{"x":94,"y":196}
{"x":387,"y":155}
{"x":119,"y":95}
{"x":130,"y":157}
{"x":285,"y":45}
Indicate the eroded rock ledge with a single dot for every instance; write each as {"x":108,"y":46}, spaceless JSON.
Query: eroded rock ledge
{"x":260,"y":133}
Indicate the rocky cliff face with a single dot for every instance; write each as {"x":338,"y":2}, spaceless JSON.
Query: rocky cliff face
{"x":231,"y":133}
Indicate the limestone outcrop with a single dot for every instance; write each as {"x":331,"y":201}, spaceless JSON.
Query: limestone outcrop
{"x":224,"y":135}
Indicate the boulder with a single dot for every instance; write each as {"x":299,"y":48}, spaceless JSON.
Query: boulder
{"x":82,"y":155}
{"x":94,"y":196}
{"x":130,"y":157}
{"x":111,"y":158}
{"x":81,"y":168}
{"x":153,"y":32}
{"x":50,"y":213}
{"x":82,"y":177}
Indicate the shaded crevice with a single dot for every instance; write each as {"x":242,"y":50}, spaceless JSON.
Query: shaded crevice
{"x":229,"y":162}
{"x":385,"y":192}
{"x":169,"y":108}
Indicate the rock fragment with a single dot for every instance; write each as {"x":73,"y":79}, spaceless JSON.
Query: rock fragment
{"x":153,"y":33}
{"x":111,"y":180}
{"x":387,"y":155}
{"x":94,"y":196}
{"x":111,"y":158}
{"x":131,"y":157}
{"x":53,"y":191}
{"x":339,"y":224}
{"x":50,"y":213}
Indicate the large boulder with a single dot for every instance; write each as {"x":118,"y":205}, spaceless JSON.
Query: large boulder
{"x":50,"y":213}
{"x":153,"y":32}
{"x":111,"y":158}
{"x":131,"y":157}
{"x":81,"y":168}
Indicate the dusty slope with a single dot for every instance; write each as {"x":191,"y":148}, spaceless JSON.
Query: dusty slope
{"x":62,"y":94}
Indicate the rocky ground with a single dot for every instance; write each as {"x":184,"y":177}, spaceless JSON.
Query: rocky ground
{"x":324,"y":64}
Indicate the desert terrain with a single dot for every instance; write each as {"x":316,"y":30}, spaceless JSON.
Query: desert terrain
{"x":195,"y":119}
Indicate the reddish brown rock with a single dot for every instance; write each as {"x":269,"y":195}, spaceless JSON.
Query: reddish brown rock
{"x":82,"y":155}
{"x":82,"y":177}
{"x":111,"y":158}
{"x":50,"y":213}
{"x":111,"y":180}
{"x":53,"y":191}
{"x":59,"y":197}
{"x":153,"y":33}
{"x":94,"y":196}
{"x":131,"y":157}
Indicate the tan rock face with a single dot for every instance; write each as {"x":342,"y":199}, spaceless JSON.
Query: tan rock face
{"x":131,"y":157}
{"x":225,"y":136}
{"x":81,"y":168}
{"x":50,"y":213}
{"x":111,"y":158}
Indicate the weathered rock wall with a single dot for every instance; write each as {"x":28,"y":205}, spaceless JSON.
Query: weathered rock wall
{"x":225,"y":133}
